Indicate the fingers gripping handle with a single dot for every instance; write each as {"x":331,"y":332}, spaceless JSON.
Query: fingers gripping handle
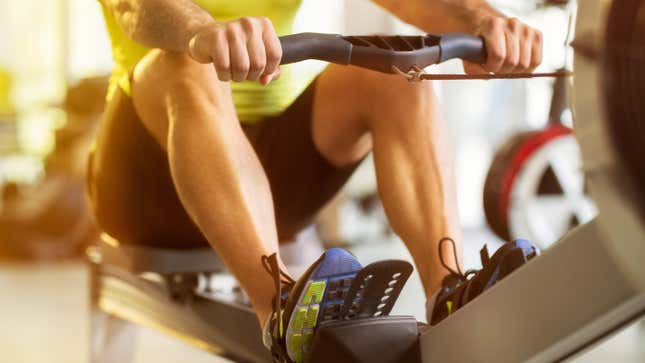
{"x":462,"y":46}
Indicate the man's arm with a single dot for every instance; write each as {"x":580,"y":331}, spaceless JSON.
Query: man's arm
{"x":243,"y":49}
{"x":165,"y":24}
{"x":512,"y":46}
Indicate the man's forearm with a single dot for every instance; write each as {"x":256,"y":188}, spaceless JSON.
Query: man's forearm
{"x":165,"y":24}
{"x":441,"y":16}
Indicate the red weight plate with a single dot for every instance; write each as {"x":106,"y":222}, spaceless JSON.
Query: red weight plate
{"x":507,"y":163}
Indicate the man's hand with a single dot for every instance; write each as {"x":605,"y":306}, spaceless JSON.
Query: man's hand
{"x":240,"y":50}
{"x":512,"y":46}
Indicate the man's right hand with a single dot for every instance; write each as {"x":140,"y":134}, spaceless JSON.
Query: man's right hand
{"x":240,"y":50}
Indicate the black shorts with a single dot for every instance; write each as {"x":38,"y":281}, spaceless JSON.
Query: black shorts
{"x":134,"y":199}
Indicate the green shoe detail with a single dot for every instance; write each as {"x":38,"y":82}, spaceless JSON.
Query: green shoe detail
{"x":296,"y":346}
{"x":314,"y":293}
{"x":305,"y":318}
{"x":299,"y":321}
{"x":281,"y":327}
{"x":312,"y":317}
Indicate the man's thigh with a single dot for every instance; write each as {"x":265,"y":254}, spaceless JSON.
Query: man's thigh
{"x":129,"y":184}
{"x":166,"y":83}
{"x":131,"y":189}
{"x":137,"y":197}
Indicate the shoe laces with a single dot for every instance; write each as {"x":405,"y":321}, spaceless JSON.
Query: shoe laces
{"x":283,"y":283}
{"x":458,"y":272}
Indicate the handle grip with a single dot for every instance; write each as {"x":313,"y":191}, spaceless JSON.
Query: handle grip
{"x":326,"y":47}
{"x":462,"y":46}
{"x":382,"y":53}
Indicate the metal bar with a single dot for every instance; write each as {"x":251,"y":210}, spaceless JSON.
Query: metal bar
{"x":428,"y":76}
{"x":219,"y":327}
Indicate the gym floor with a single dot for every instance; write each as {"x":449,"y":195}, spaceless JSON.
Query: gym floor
{"x":46,"y":306}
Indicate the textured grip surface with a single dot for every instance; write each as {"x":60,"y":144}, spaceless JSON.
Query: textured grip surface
{"x":326,"y":47}
{"x":462,"y":46}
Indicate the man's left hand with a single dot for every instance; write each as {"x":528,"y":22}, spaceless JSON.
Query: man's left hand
{"x":512,"y":47}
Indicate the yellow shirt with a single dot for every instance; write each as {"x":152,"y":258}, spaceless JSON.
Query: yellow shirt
{"x":252,"y":100}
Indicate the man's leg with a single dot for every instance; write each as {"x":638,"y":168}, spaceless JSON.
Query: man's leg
{"x":356,"y":110}
{"x":216,"y":172}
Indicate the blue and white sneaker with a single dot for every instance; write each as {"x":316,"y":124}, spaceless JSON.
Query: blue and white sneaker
{"x":301,"y":306}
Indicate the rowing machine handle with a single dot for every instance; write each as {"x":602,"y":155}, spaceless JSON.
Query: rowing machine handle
{"x":382,"y":53}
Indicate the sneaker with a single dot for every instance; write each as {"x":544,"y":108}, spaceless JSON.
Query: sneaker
{"x":458,"y":289}
{"x":301,"y":306}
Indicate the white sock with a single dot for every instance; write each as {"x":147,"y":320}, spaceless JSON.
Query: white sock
{"x":266,"y":333}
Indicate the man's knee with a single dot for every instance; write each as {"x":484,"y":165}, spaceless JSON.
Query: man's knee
{"x":167,"y":66}
{"x":389,"y":96}
{"x":163,"y":78}
{"x":174,"y":74}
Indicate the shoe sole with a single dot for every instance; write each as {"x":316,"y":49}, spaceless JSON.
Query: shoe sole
{"x":321,"y":296}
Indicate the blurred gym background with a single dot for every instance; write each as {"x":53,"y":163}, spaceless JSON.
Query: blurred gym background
{"x":54,"y":63}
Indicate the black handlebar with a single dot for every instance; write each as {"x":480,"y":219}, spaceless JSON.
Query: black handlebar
{"x":382,"y":53}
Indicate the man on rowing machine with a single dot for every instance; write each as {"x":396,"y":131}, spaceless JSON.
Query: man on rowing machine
{"x":202,"y":142}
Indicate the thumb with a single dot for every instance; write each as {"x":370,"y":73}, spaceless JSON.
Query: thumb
{"x":265,"y":79}
{"x":196,"y":50}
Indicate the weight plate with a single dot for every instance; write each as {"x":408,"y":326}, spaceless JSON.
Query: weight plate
{"x":535,"y":187}
{"x":493,"y":186}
